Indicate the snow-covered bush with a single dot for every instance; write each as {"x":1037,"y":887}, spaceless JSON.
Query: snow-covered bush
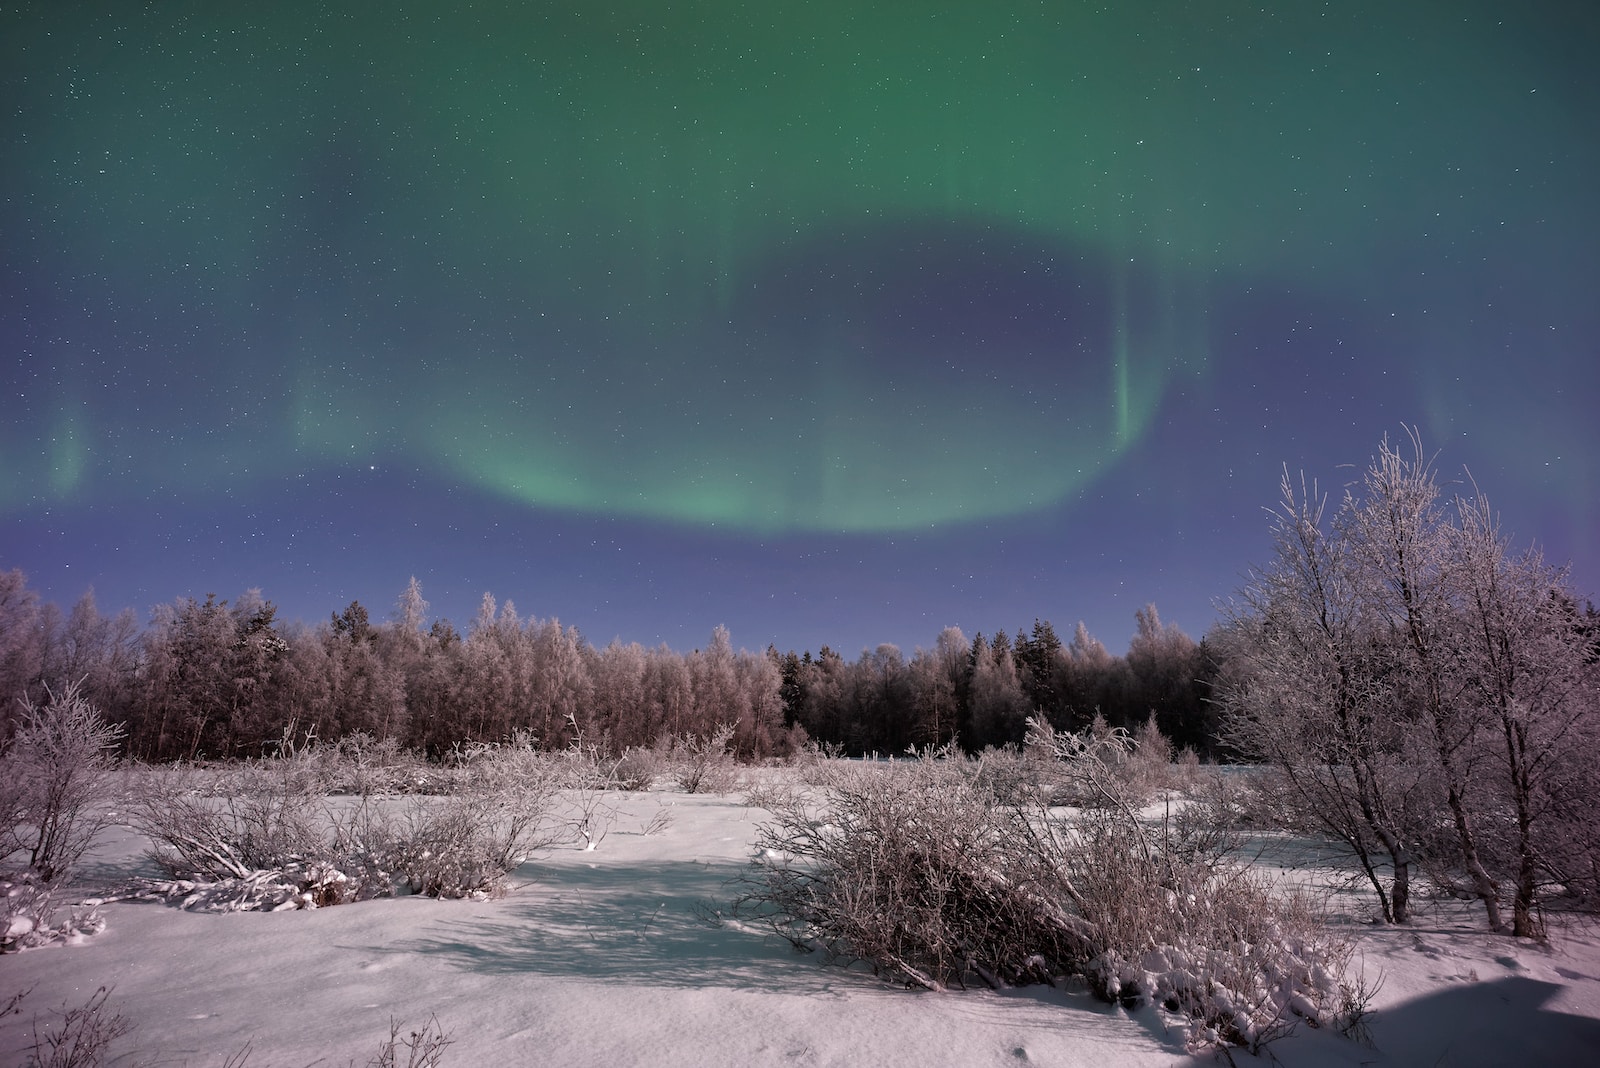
{"x":914,"y":871}
{"x":368,"y":766}
{"x":824,"y":765}
{"x":1179,"y":924}
{"x":81,"y":1037}
{"x":635,"y":770}
{"x":1013,"y":776}
{"x":262,"y":836}
{"x":928,"y":876}
{"x":56,"y":796}
{"x":209,"y":824}
{"x":705,"y":765}
{"x":28,"y":915}
{"x":55,"y":783}
{"x":259,"y":836}
{"x":422,"y":1048}
{"x":1102,"y":764}
{"x":465,"y":845}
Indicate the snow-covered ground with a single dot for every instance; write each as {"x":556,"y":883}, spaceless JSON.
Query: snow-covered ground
{"x":615,"y":957}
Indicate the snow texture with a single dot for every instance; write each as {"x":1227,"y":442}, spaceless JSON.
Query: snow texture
{"x":616,"y":956}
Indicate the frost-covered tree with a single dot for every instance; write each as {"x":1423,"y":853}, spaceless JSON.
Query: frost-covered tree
{"x":1164,"y":669}
{"x":207,"y":669}
{"x":366,"y":695}
{"x":999,"y":706}
{"x":1307,"y":696}
{"x":435,"y":691}
{"x":822,"y":682}
{"x":1039,"y":657}
{"x":938,"y":680}
{"x":669,"y":693}
{"x":617,"y":707}
{"x":559,"y":686}
{"x":882,"y":699}
{"x":760,"y":683}
{"x":493,"y":674}
{"x":1532,"y":677}
{"x":1425,"y":695}
{"x":718,"y":699}
{"x":23,"y":644}
{"x":1093,"y":681}
{"x":1408,"y":574}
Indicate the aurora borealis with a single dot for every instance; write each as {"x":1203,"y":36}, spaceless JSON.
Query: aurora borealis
{"x":833,"y":322}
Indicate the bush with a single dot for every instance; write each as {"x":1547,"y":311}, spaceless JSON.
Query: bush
{"x":28,"y":915}
{"x":912,"y":872}
{"x":257,"y":837}
{"x":923,"y":872}
{"x":56,"y":783}
{"x":81,"y":1038}
{"x":705,"y":765}
{"x":635,"y":770}
{"x":207,"y":824}
{"x":363,"y":765}
{"x":56,"y":795}
{"x":265,"y":836}
{"x":466,"y":844}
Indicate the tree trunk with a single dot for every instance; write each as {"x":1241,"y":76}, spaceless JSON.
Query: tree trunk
{"x":1482,"y":884}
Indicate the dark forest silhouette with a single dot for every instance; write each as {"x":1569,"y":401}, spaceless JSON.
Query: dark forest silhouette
{"x":220,"y":679}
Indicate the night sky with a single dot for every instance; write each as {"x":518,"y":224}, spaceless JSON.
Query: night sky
{"x":833,"y":322}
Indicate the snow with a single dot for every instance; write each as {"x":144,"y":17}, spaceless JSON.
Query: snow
{"x":616,"y":956}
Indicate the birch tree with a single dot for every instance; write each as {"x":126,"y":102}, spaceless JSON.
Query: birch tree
{"x":1424,"y":693}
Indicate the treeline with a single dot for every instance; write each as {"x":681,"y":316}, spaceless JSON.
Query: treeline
{"x":980,"y":693}
{"x":213,"y":679}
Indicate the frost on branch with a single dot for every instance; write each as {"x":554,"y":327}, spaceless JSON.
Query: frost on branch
{"x":922,"y":873}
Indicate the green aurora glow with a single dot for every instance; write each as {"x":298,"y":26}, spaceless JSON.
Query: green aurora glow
{"x":807,"y":266}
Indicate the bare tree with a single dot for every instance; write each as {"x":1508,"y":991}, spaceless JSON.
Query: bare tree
{"x":1529,"y":669}
{"x":1419,"y":689}
{"x":1408,"y":573}
{"x":1306,"y":696}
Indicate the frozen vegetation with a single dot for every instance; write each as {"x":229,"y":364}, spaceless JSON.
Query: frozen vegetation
{"x":1077,"y":902}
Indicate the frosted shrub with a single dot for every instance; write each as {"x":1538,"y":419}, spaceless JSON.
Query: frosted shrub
{"x":1178,"y":924}
{"x":257,"y":837}
{"x":1011,"y":776}
{"x":56,"y":794}
{"x":1148,"y":768}
{"x":1103,"y":765}
{"x":912,"y":872}
{"x":29,"y":916}
{"x":705,"y":765}
{"x":824,"y":764}
{"x":465,"y":845}
{"x":927,"y":875}
{"x":56,"y":783}
{"x":636,"y":769}
{"x":205,"y":826}
{"x":361,"y":764}
{"x":82,"y":1036}
{"x":262,"y":837}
